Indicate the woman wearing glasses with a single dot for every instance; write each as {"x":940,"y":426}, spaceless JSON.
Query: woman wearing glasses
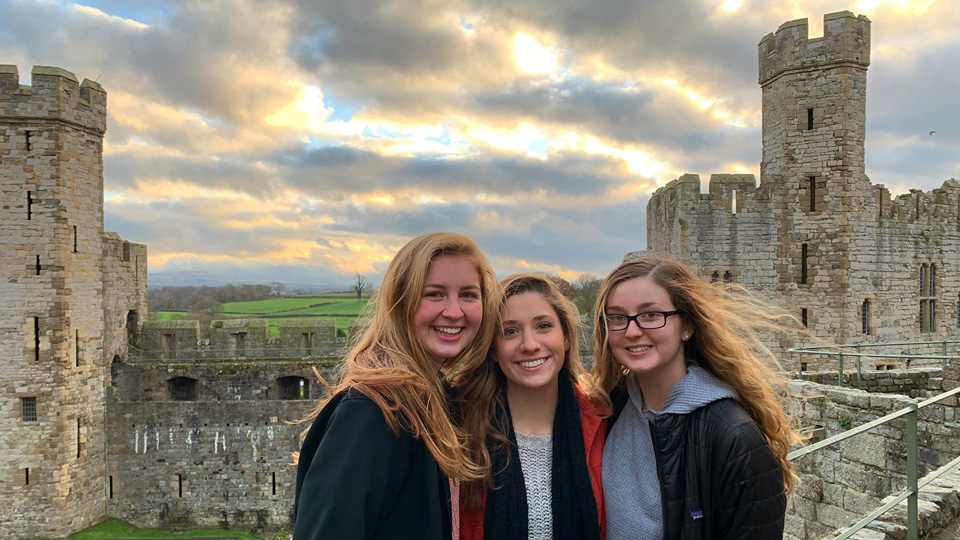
{"x":699,"y":437}
{"x":527,"y":415}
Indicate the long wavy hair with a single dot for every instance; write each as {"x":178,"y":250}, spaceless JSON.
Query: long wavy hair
{"x":389,"y":365}
{"x":479,"y":386}
{"x":726,"y":321}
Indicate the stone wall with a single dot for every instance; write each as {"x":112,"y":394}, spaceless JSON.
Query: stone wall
{"x":222,"y":459}
{"x":841,"y":483}
{"x":51,"y":318}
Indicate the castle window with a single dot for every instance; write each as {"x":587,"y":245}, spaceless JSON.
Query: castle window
{"x":813,"y":193}
{"x":29,"y":205}
{"x":110,"y":480}
{"x":733,"y":202}
{"x":803,"y":263}
{"x":37,"y":267}
{"x":79,"y":441}
{"x":26,"y":476}
{"x":36,"y":339}
{"x":809,"y":119}
{"x":958,"y":311}
{"x":182,"y":389}
{"x":239,"y":342}
{"x":169,"y":344}
{"x":76,"y":352}
{"x":27,"y":140}
{"x":865,"y":316}
{"x":803,"y":317}
{"x":928,"y":300}
{"x":727,"y":278}
{"x":273,"y":482}
{"x":306,"y":343}
{"x":74,"y":238}
{"x":180,"y":485}
{"x":126,"y":252}
{"x":714,"y":277}
{"x":293,"y":388}
{"x":28,"y":409}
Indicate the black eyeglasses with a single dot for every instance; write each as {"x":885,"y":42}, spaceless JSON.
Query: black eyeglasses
{"x":648,"y":320}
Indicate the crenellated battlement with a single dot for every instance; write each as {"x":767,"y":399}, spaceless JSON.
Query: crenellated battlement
{"x":846,"y":40}
{"x":940,"y":205}
{"x":54,"y":93}
{"x":720,"y":188}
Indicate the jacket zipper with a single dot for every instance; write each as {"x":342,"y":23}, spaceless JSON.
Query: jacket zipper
{"x":657,"y":458}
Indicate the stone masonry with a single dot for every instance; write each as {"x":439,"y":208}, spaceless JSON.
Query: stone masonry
{"x":816,"y":235}
{"x":68,"y":292}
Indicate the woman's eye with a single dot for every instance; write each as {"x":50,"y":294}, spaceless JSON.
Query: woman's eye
{"x":544,"y":326}
{"x":472,"y":295}
{"x":508,"y":332}
{"x":433,"y":294}
{"x":649,"y":316}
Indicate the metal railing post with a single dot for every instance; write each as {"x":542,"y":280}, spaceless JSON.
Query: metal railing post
{"x":912,"y":522}
{"x":839,"y":369}
{"x":859,"y":380}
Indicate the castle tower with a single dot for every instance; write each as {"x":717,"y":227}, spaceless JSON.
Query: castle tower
{"x":52,"y":370}
{"x":814,"y":115}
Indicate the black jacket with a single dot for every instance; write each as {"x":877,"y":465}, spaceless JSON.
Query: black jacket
{"x":357,"y":480}
{"x":718,"y":477}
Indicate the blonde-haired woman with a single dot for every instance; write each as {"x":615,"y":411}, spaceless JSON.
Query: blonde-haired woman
{"x":699,"y":436}
{"x":375,"y":463}
{"x":527,"y":415}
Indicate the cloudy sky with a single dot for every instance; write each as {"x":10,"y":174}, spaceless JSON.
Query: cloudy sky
{"x":305,"y":141}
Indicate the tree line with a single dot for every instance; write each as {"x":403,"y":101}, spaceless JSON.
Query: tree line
{"x":205,"y":298}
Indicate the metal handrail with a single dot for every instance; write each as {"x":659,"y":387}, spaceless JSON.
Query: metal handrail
{"x":831,"y":350}
{"x":913,"y":485}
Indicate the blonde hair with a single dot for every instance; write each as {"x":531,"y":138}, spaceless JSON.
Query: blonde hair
{"x":725,"y":320}
{"x":478,"y":387}
{"x":389,"y":365}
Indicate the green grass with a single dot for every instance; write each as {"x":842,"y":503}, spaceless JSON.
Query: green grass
{"x":114,"y":528}
{"x":339,"y":306}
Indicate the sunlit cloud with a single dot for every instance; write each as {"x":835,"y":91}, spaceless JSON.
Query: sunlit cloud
{"x":112,"y":19}
{"x":531,"y":56}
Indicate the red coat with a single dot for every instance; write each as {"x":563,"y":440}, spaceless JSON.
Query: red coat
{"x":594,"y":434}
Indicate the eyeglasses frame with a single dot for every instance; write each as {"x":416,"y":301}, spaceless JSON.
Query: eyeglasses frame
{"x":635,"y":318}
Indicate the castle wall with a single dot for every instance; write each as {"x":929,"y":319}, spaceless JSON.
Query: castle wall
{"x":222,"y":460}
{"x":51,"y":325}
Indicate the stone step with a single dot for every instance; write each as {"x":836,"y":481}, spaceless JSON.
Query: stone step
{"x":938,"y":505}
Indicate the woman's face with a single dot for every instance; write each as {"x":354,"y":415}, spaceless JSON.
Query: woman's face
{"x":654,"y":354}
{"x":531,"y":346}
{"x":450,"y":309}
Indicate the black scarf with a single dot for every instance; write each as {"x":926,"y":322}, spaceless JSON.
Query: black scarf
{"x":573,"y":503}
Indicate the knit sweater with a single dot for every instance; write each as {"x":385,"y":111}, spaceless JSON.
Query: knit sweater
{"x":536,"y":459}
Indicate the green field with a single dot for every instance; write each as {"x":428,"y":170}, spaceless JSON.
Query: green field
{"x":340,"y":306}
{"x":114,"y":528}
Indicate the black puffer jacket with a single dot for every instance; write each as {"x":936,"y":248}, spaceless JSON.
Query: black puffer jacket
{"x":718,"y":477}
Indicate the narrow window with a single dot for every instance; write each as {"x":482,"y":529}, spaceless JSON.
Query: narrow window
{"x":293,"y":388}
{"x":38,"y":265}
{"x":727,"y":278}
{"x":933,"y":281}
{"x":804,"y":366}
{"x":307,"y":341}
{"x":274,"y":483}
{"x":733,"y":202}
{"x":180,"y":485}
{"x":126,"y":252}
{"x":813,"y":193}
{"x":36,"y":339}
{"x":74,"y":238}
{"x":803,"y":263}
{"x":865,"y":317}
{"x":28,"y":409}
{"x":76,"y":352}
{"x":917,"y":204}
{"x":29,"y":205}
{"x":714,"y":277}
{"x":803,"y":317}
{"x":958,"y":311}
{"x":28,"y":140}
{"x":880,"y":199}
{"x":110,"y":488}
{"x":933,"y":315}
{"x":809,"y":119}
{"x":78,"y":437}
{"x":26,"y":476}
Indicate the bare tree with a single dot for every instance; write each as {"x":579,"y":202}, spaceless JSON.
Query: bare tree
{"x":361,"y":286}
{"x":277,"y":288}
{"x":587,"y":286}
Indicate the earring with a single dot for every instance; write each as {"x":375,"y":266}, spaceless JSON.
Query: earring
{"x":686,"y":337}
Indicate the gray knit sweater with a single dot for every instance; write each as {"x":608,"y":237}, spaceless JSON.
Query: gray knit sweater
{"x":631,"y":488}
{"x":536,"y":462}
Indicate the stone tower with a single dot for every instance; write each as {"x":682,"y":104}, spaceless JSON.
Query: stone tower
{"x":52,"y":367}
{"x":814,"y":121}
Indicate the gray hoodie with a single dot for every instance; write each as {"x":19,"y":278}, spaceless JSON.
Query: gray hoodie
{"x":631,"y":489}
